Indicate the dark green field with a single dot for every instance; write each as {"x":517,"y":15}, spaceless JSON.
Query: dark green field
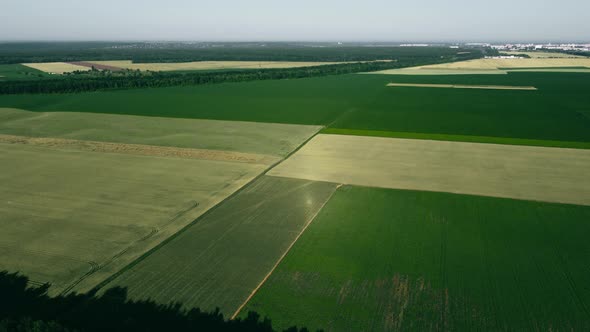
{"x":20,"y":72}
{"x":362,"y":102}
{"x":382,"y":260}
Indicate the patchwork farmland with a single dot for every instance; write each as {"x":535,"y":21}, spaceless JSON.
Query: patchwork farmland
{"x":383,"y":260}
{"x":437,"y":197}
{"x":65,"y":67}
{"x":68,"y":216}
{"x":90,"y":225}
{"x":225,"y":255}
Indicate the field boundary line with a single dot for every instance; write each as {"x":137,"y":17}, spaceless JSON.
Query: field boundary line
{"x":463,"y":86}
{"x":461,"y":138}
{"x":319,"y":131}
{"x":285,"y":253}
{"x":165,"y":241}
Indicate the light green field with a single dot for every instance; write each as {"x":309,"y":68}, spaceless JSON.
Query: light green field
{"x":391,"y":260}
{"x":262,"y":138}
{"x":361,"y":102}
{"x":225,"y":255}
{"x":70,"y":216}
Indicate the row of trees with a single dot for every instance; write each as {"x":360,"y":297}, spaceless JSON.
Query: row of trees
{"x":92,"y":82}
{"x":24,"y":308}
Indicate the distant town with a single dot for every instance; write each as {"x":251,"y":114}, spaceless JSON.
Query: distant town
{"x":538,"y":47}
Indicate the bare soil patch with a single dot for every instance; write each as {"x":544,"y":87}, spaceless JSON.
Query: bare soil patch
{"x":140,"y":149}
{"x":96,"y":65}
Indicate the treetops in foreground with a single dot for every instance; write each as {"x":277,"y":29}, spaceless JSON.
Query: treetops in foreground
{"x":26,"y":308}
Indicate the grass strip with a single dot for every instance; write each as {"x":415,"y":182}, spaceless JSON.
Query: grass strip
{"x":459,"y":138}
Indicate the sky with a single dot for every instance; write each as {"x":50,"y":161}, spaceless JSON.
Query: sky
{"x":301,"y":20}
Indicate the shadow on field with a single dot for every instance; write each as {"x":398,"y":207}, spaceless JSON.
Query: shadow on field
{"x":25,"y":308}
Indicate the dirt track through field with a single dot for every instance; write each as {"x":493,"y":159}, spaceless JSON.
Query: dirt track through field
{"x":522,"y":172}
{"x":140,"y":149}
{"x":462,"y":86}
{"x":95,"y":65}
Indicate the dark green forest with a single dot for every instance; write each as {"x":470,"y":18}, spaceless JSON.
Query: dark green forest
{"x":11,"y":53}
{"x":27,"y":308}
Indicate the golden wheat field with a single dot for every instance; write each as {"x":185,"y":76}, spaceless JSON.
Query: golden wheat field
{"x":56,"y":67}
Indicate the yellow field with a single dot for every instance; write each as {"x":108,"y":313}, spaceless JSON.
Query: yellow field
{"x":428,"y":71}
{"x":461,"y":86}
{"x":543,"y":55}
{"x":73,"y":217}
{"x":56,"y":67}
{"x":495,"y":66}
{"x":521,"y":172}
{"x":209,"y":65}
{"x":491,"y":64}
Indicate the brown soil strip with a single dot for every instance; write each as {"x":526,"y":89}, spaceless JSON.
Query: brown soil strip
{"x":95,"y":65}
{"x":460,"y":86}
{"x":140,"y":149}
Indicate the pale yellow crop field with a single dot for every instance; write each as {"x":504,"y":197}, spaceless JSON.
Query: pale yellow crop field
{"x":430,"y":71}
{"x":56,"y":67}
{"x":543,"y":55}
{"x":492,"y":64}
{"x":521,"y":172}
{"x":462,"y":86}
{"x":210,"y":65}
{"x":495,"y":66}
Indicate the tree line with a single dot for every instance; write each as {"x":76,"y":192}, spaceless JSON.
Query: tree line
{"x":26,"y":308}
{"x":104,"y":81}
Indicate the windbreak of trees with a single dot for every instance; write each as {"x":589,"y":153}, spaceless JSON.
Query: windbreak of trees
{"x":103,"y":81}
{"x":24,"y":308}
{"x":572,"y":52}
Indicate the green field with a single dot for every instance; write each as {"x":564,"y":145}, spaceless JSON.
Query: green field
{"x":458,"y":138}
{"x":262,"y":138}
{"x":223,"y":256}
{"x":382,"y":260}
{"x":362,"y":102}
{"x":20,"y":72}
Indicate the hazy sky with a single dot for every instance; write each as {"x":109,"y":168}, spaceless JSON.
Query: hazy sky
{"x":307,"y":20}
